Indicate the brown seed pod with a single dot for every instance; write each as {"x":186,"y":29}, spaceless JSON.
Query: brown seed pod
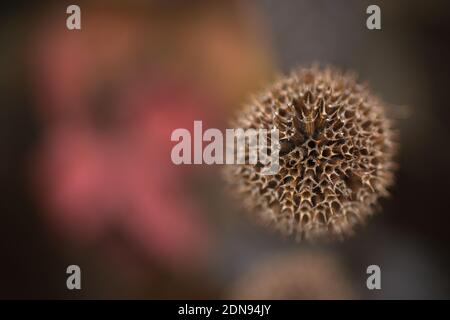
{"x":303,"y":276}
{"x":336,"y":154}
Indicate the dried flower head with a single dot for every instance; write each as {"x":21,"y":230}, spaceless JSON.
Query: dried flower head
{"x":311,"y":275}
{"x":336,"y":154}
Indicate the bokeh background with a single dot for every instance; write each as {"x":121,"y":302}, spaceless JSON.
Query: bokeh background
{"x":86,"y":176}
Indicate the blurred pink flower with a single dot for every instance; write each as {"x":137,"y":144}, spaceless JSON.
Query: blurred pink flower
{"x":91,"y":176}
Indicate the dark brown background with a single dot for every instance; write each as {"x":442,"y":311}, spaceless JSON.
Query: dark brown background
{"x":407,"y":63}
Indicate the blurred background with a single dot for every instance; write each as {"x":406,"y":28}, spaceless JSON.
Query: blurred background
{"x":86,"y":176}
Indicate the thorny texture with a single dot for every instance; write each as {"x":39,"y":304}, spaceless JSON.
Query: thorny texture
{"x":336,"y":155}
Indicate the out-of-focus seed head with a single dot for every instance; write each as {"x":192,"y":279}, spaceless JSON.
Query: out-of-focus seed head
{"x":336,"y":154}
{"x":300,"y":276}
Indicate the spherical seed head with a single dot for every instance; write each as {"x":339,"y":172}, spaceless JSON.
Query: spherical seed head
{"x":299,"y":277}
{"x":336,"y":154}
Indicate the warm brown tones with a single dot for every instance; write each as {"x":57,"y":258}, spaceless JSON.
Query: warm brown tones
{"x":295,"y":277}
{"x":336,"y":154}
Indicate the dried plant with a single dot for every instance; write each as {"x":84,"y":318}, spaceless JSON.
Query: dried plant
{"x":295,"y":277}
{"x":336,"y":154}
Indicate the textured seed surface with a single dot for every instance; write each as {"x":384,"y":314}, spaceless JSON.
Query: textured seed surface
{"x":336,"y":155}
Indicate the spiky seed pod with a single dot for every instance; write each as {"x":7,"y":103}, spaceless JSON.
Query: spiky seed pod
{"x":300,"y":276}
{"x":336,"y":154}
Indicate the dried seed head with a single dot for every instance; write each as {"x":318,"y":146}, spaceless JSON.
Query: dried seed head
{"x":336,"y":154}
{"x":300,"y":276}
